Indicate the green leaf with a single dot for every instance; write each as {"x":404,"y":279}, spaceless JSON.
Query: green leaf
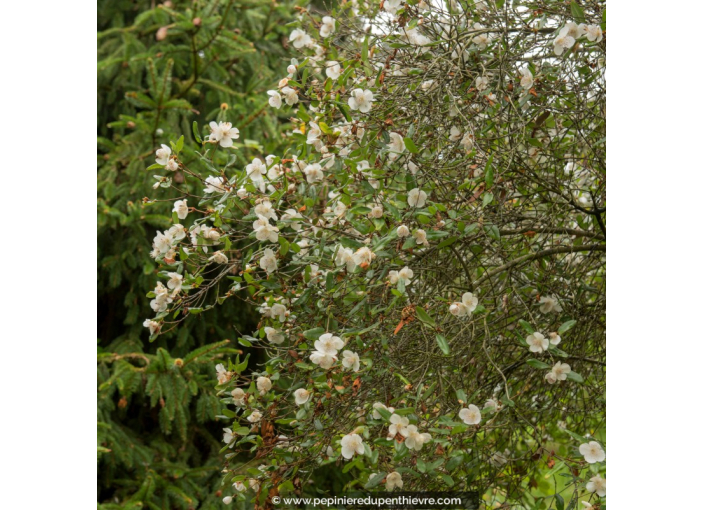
{"x":574,"y":376}
{"x":423,"y":316}
{"x":577,"y":12}
{"x":448,"y":480}
{"x":313,"y":334}
{"x":196,"y":134}
{"x":442,"y":343}
{"x":526,"y":326}
{"x":461,"y":395}
{"x":489,"y":174}
{"x":536,"y":364}
{"x":559,"y":502}
{"x":375,"y":480}
{"x":487,"y":199}
{"x":566,"y":326}
{"x":410,"y":145}
{"x":284,"y":246}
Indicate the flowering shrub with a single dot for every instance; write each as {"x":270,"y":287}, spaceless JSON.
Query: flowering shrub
{"x":428,"y":257}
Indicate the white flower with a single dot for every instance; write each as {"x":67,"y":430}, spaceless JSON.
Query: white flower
{"x":265,"y":231}
{"x":482,"y":82}
{"x":414,"y":439}
{"x":597,"y":484}
{"x":350,"y":360}
{"x":470,"y":301}
{"x":263,"y":385}
{"x":560,"y":370}
{"x":467,"y":141}
{"x":227,"y":500}
{"x":274,"y":98}
{"x":327,"y":27}
{"x":592,"y":451}
{"x":455,"y":134}
{"x":172,"y":165}
{"x":291,"y":214}
{"x":405,"y":275}
{"x":481,"y":40}
{"x":329,"y":343}
{"x":364,"y":256}
{"x":255,"y":417}
{"x":340,"y":209}
{"x":265,"y":209}
{"x":333,"y":69}
{"x":412,"y":167}
{"x":417,"y":197}
{"x":361,"y":100}
{"x":351,"y":444}
{"x":537,"y":342}
{"x":163,"y":154}
{"x":554,"y":338}
{"x":491,"y":406}
{"x":392,"y":6}
{"x":345,"y":256}
{"x":290,"y":95}
{"x":396,"y":146}
{"x":587,"y":505}
{"x":254,"y":484}
{"x":222,"y":374}
{"x":324,"y":359}
{"x":214,"y":185}
{"x":420,"y":237}
{"x":299,"y":38}
{"x":466,"y":306}
{"x":398,"y":425}
{"x":278,"y":311}
{"x":152,"y":325}
{"x":471,"y":415}
{"x":526,"y":78}
{"x":238,"y":395}
{"x":268,"y":262}
{"x":219,"y":258}
{"x":594,"y":33}
{"x":393,"y":480}
{"x":402,"y":231}
{"x":228,"y":436}
{"x":301,"y":395}
{"x":550,"y":377}
{"x":549,"y":304}
{"x":181,"y":209}
{"x":239,"y":486}
{"x":314,"y":173}
{"x":379,"y":405}
{"x":175,"y":281}
{"x":574,"y":30}
{"x":274,"y":335}
{"x":563,"y":41}
{"x":256,"y":170}
{"x":376,"y":212}
{"x":223,"y":133}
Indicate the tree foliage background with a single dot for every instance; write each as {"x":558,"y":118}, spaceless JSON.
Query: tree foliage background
{"x":160,"y":67}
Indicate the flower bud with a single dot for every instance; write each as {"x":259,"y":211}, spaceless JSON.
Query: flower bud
{"x":162,"y":33}
{"x":402,"y":231}
{"x":291,"y":69}
{"x":197,"y":22}
{"x":455,"y":309}
{"x":227,"y":500}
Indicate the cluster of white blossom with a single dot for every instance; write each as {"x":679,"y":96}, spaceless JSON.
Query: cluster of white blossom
{"x":383,"y":214}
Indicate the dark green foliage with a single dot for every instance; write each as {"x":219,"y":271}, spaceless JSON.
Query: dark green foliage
{"x":158,"y":435}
